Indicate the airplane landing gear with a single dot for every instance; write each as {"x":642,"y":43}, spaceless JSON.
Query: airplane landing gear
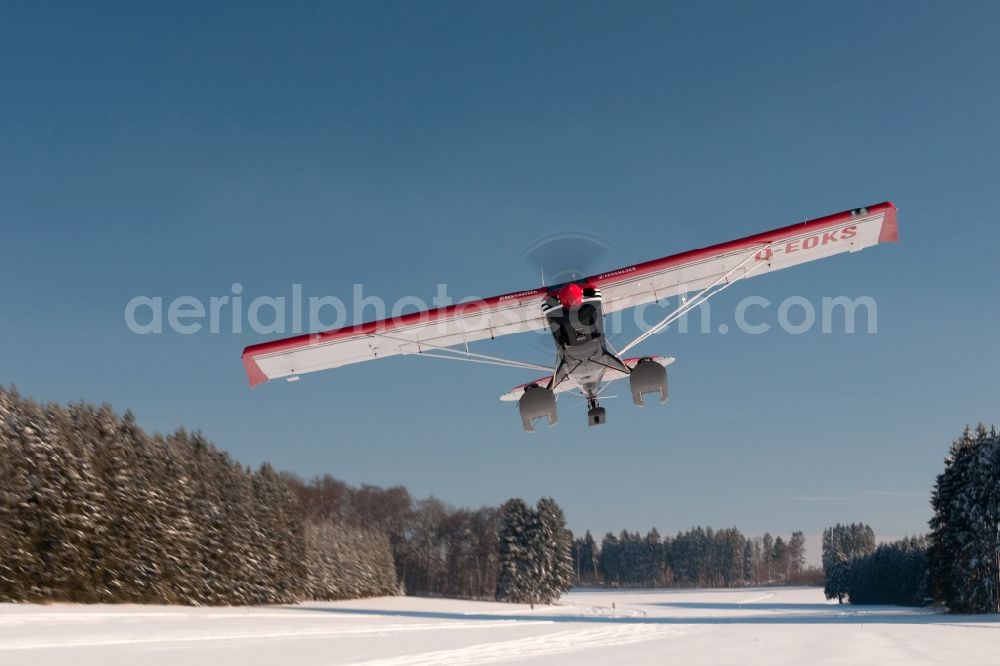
{"x":596,"y":414}
{"x":537,"y":402}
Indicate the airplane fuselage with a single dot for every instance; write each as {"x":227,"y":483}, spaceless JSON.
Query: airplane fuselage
{"x":576,"y":320}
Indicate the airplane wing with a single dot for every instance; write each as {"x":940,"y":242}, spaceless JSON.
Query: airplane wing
{"x":695,"y":270}
{"x":431,"y":332}
{"x":427,"y":332}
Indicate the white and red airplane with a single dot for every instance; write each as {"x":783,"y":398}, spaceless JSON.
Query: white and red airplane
{"x":574,"y":314}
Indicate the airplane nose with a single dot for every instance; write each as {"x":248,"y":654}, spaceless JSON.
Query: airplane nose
{"x":571,"y":296}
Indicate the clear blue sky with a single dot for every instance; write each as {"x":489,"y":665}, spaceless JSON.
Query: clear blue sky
{"x":175,"y":148}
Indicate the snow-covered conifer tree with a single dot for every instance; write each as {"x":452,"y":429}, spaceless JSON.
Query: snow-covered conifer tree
{"x":964,"y":553}
{"x":515,"y":554}
{"x":554,"y":543}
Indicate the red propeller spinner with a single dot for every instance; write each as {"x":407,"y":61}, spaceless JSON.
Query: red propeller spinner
{"x":571,"y":296}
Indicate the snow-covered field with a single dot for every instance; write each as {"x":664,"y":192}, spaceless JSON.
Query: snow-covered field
{"x":765,"y":626}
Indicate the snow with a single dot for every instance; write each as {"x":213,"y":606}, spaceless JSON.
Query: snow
{"x":773,"y":626}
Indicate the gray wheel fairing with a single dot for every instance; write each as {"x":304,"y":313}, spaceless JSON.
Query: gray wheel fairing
{"x":537,"y":402}
{"x":648,"y":376}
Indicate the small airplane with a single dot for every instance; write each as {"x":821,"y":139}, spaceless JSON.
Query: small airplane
{"x":573,"y":312}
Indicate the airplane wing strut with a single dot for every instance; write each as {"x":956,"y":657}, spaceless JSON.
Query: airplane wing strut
{"x":721,"y":283}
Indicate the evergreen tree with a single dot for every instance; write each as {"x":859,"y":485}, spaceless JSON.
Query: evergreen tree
{"x":585,"y":556}
{"x":610,"y":559}
{"x":837,"y":573}
{"x":15,"y":548}
{"x":748,"y":561}
{"x":796,"y":554}
{"x":653,"y":562}
{"x":729,"y":563}
{"x":178,"y":532}
{"x":555,"y":543}
{"x":964,"y":552}
{"x":767,"y":554}
{"x":779,"y":557}
{"x":516,"y":578}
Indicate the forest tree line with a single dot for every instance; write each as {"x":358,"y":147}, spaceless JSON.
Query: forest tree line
{"x":699,"y":557}
{"x":93,"y":509}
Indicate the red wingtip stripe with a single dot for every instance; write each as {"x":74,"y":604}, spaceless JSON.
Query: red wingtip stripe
{"x":890,"y":228}
{"x":254,"y":373}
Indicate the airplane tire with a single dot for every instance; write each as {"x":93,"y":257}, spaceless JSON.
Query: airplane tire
{"x":596,"y":416}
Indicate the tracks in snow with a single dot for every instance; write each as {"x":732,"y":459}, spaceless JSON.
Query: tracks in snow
{"x":537,"y":646}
